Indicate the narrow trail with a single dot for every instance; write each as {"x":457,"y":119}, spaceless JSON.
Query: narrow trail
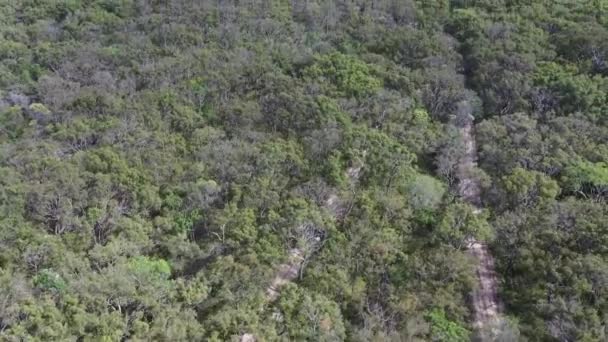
{"x":290,"y":270}
{"x":487,"y":306}
{"x":285,"y":273}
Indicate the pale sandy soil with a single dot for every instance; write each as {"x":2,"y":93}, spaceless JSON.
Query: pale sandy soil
{"x":486,"y":303}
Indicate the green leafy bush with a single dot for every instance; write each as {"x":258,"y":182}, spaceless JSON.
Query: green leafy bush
{"x":442,"y":329}
{"x":146,"y":266}
{"x":349,"y":74}
{"x":50,"y":280}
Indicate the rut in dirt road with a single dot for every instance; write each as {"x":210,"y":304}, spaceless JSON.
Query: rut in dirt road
{"x":486,"y":304}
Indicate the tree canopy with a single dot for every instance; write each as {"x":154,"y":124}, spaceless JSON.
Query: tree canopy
{"x":158,"y":160}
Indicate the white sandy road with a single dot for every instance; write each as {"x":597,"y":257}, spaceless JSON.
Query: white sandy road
{"x":487,"y":306}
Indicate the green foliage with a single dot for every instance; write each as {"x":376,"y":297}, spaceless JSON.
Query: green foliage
{"x":13,"y":122}
{"x":49,"y":280}
{"x":586,"y":176}
{"x":148,"y":267}
{"x":386,"y":161}
{"x":459,"y":222}
{"x":442,"y":329}
{"x":563,"y":239}
{"x":311,"y":317}
{"x":160,"y":162}
{"x":425,"y":192}
{"x":529,"y":187}
{"x":39,"y":108}
{"x":575,"y":92}
{"x":349,"y":74}
{"x":184,"y":222}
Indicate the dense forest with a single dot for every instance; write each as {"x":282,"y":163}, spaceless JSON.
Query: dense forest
{"x":161,"y":161}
